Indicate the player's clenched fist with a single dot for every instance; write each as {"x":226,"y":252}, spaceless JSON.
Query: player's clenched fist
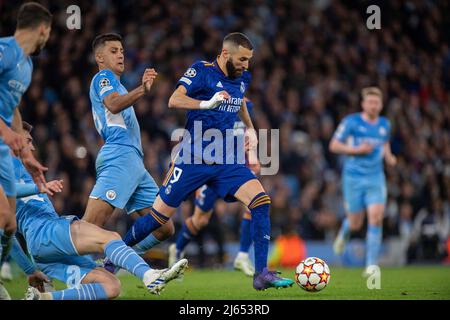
{"x":148,"y":77}
{"x":215,"y":101}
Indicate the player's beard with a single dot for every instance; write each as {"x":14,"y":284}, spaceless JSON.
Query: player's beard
{"x":231,"y":70}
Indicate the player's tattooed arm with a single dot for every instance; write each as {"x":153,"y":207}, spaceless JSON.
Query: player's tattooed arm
{"x":116,"y":102}
{"x":180,"y":100}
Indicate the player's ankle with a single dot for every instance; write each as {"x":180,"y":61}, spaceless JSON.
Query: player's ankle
{"x":242,"y":255}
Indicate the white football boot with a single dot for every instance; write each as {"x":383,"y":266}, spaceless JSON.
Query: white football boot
{"x":243,"y":263}
{"x":156,"y":280}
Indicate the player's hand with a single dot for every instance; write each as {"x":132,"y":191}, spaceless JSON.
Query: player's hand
{"x":364,"y":148}
{"x":37,"y":280}
{"x":34,"y":168}
{"x":391,"y":159}
{"x":14,"y":140}
{"x":251,"y":139}
{"x":148,"y":78}
{"x":52,"y":187}
{"x":215,"y":101}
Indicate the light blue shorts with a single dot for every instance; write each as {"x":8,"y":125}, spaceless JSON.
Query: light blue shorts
{"x":7,"y":177}
{"x":122,"y":179}
{"x":54,"y":253}
{"x":361,"y":192}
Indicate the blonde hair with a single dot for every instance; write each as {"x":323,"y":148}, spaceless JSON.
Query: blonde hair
{"x":371,"y":91}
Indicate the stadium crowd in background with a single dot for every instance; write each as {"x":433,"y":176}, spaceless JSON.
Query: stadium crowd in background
{"x":311,"y":59}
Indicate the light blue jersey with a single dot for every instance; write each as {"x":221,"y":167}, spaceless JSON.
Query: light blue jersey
{"x":355,"y":131}
{"x":33,"y":211}
{"x":115,"y":129}
{"x":15,"y":76}
{"x":363,"y":180}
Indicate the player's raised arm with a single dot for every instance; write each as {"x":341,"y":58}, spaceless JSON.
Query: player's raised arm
{"x":116,"y":102}
{"x":179,"y":99}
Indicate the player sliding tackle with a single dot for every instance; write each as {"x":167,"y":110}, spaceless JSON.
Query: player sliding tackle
{"x":58,"y":245}
{"x":122,"y":180}
{"x":214,"y":93}
{"x":364,"y":139}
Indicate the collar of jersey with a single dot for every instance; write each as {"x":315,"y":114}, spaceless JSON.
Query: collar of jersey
{"x":216,"y":65}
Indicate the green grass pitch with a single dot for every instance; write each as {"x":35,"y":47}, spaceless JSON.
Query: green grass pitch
{"x":414,"y":282}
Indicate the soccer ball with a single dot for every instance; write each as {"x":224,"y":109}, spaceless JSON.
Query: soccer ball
{"x":312,"y":274}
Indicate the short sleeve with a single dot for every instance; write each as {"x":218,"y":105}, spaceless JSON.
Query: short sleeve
{"x":192,"y":79}
{"x":7,"y":58}
{"x":105,"y":83}
{"x":343,"y":131}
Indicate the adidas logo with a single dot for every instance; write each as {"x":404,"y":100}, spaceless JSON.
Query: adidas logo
{"x":219,"y":84}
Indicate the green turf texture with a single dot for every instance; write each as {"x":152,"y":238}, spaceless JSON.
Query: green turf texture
{"x":414,"y":282}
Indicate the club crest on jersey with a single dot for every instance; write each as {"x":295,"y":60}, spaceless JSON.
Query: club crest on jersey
{"x":104,"y":82}
{"x":110,"y":194}
{"x":382,"y":131}
{"x":191,"y":72}
{"x":242,"y":87}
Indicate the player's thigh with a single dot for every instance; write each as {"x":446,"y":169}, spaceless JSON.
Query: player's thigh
{"x":181,"y":180}
{"x":110,"y":283}
{"x":89,"y":238}
{"x":98,"y":212}
{"x":7,"y":176}
{"x":248,"y":191}
{"x":375,"y":199}
{"x":353,"y":193}
{"x":5,"y":210}
{"x":144,"y":195}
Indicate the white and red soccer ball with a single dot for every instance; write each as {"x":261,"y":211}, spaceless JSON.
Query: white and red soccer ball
{"x":312,"y":274}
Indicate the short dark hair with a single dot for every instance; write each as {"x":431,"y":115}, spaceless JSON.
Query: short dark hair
{"x":102,"y":38}
{"x":26,"y":126}
{"x":32,"y":14}
{"x":238,"y":39}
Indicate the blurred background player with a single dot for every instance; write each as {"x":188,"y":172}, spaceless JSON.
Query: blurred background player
{"x":59,"y":246}
{"x":122,"y":180}
{"x":32,"y":32}
{"x":364,"y":139}
{"x":205,"y":199}
{"x":214,"y":95}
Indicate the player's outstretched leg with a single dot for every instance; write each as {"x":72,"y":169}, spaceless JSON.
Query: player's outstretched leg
{"x":242,"y":261}
{"x":89,"y":238}
{"x":342,"y":237}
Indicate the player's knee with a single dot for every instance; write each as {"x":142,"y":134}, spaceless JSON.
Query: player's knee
{"x":112,"y":235}
{"x":112,"y":287}
{"x":262,"y":199}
